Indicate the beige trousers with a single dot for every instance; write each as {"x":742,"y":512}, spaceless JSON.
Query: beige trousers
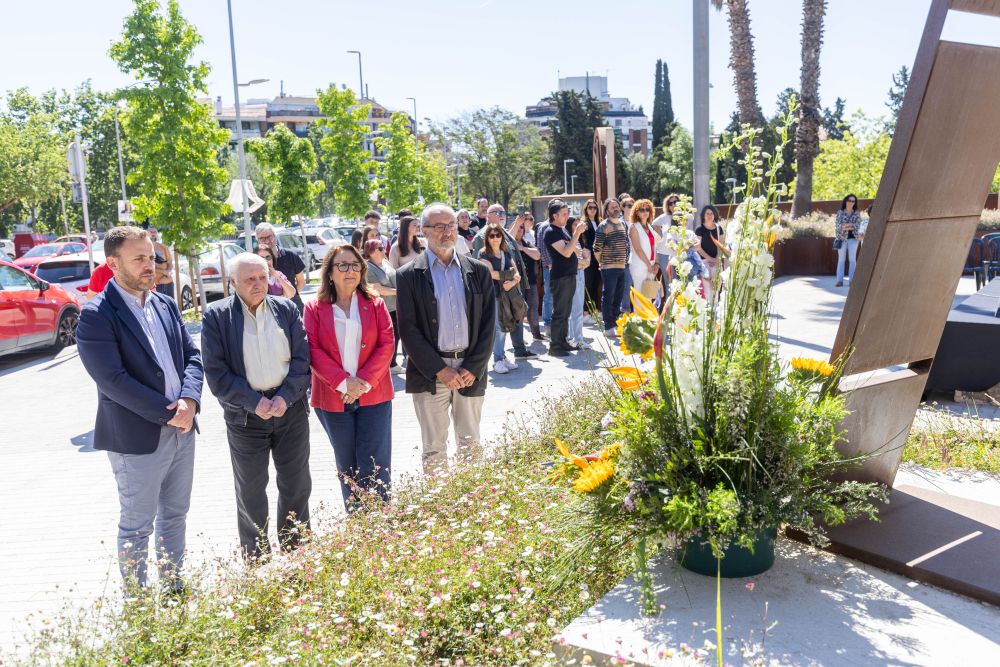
{"x":435,"y":413}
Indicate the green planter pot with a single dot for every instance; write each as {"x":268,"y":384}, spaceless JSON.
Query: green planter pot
{"x":736,"y":562}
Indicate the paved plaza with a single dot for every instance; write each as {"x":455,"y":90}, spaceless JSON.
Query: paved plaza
{"x":57,"y":535}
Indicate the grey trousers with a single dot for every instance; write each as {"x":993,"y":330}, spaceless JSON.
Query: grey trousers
{"x":251,"y":447}
{"x":436,"y":412}
{"x":154,"y":489}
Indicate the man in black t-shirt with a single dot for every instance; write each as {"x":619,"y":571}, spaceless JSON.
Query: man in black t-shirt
{"x":287,"y":262}
{"x":479,"y":221}
{"x":561,"y":245}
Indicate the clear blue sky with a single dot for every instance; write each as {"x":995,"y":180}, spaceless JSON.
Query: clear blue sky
{"x":456,"y":56}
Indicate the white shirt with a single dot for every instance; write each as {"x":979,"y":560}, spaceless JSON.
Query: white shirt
{"x":347,"y":327}
{"x":266,"y":352}
{"x":461,"y":246}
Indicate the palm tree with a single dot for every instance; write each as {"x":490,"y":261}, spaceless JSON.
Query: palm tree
{"x":807,"y":133}
{"x":741,"y":60}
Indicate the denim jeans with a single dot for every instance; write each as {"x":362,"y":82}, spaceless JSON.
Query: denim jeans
{"x":614,"y":286}
{"x":576,"y":310}
{"x":626,"y":302}
{"x":849,"y":248}
{"x":361,"y":436}
{"x":499,"y":336}
{"x":546,"y":298}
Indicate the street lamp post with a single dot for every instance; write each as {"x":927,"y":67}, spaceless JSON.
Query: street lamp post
{"x":572,"y":184}
{"x":247,"y":229}
{"x":565,"y":172}
{"x":416,"y":146}
{"x":361,"y":78}
{"x":701,"y":101}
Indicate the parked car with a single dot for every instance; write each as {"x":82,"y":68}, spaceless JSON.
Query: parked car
{"x":320,"y":240}
{"x":72,"y":238}
{"x":4,"y":257}
{"x":33,"y":312}
{"x":345,"y":232}
{"x":7,"y":246}
{"x":211,"y":265}
{"x":31,"y":259}
{"x":290,"y":240}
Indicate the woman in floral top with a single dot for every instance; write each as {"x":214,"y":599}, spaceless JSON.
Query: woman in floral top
{"x":846,"y":235}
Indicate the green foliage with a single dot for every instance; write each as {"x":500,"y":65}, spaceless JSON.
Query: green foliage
{"x":572,"y":137}
{"x":854,"y":163}
{"x":32,"y":156}
{"x":288,"y":163}
{"x":173,"y":135}
{"x":397,"y":174}
{"x":255,"y":174}
{"x":900,"y":81}
{"x":675,"y":164}
{"x":663,"y":110}
{"x":503,"y":158}
{"x":347,"y":163}
{"x":942,"y":440}
{"x":458,"y":569}
{"x":833,"y":122}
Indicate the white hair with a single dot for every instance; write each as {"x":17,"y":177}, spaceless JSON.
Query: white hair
{"x":437,"y":208}
{"x":244,"y":259}
{"x":263,"y":227}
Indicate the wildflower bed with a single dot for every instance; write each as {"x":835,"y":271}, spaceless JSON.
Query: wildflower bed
{"x":457,"y":571}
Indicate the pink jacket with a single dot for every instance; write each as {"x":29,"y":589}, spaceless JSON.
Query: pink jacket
{"x":373,"y":363}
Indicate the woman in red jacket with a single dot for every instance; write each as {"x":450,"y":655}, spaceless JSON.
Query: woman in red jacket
{"x":351,"y":342}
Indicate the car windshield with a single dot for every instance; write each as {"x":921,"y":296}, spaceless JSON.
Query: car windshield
{"x":42,"y":251}
{"x":63,"y":272}
{"x":345,"y":232}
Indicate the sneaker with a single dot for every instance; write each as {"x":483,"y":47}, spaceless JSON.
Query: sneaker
{"x":538,"y":337}
{"x":840,"y":283}
{"x":397,"y":370}
{"x":611,"y":333}
{"x":500,"y":367}
{"x":557,"y":351}
{"x":510,"y":363}
{"x":582,"y":344}
{"x":525,"y":354}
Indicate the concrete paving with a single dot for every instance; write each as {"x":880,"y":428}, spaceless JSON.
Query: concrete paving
{"x":57,"y":534}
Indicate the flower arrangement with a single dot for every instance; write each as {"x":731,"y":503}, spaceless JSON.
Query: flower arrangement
{"x":720,"y":442}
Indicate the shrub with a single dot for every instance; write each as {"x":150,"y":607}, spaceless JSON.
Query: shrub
{"x":455,"y":571}
{"x":941,"y":440}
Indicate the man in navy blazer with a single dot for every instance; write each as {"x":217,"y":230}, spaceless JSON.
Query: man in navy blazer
{"x":148,"y":372}
{"x":257,"y":365}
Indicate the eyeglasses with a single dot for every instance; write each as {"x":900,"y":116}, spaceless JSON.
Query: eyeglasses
{"x":499,"y":213}
{"x":591,"y":208}
{"x":344,"y":267}
{"x":627,"y":206}
{"x":672,"y":202}
{"x":529,"y":218}
{"x":852,"y":201}
{"x":494,"y":236}
{"x":441,"y":228}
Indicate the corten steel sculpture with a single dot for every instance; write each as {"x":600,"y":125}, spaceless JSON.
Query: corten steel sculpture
{"x":604,"y":164}
{"x":943,"y":156}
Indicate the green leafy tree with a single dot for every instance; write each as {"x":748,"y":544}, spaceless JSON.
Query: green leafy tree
{"x":175,"y":139}
{"x":675,"y":167}
{"x":833,"y":120}
{"x":32,"y":159}
{"x":663,"y":109}
{"x":900,"y":81}
{"x":433,"y":174}
{"x":852,"y":164}
{"x":230,"y":160}
{"x":347,"y":163}
{"x":572,"y":134}
{"x":502,"y":157}
{"x":288,"y":163}
{"x":397,"y":173}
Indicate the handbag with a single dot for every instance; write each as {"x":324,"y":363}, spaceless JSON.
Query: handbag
{"x":511,"y":306}
{"x":650,"y":288}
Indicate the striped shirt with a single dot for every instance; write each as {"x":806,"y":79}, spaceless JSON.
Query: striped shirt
{"x":612,"y":244}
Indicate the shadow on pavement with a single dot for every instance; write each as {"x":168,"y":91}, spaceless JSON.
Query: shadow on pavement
{"x":85,"y":441}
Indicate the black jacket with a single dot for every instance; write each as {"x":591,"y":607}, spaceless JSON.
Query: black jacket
{"x":222,"y":354}
{"x":417,"y":312}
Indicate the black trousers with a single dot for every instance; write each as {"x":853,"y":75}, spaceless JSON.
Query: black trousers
{"x":251,"y":446}
{"x":592,"y":280}
{"x":562,"y":302}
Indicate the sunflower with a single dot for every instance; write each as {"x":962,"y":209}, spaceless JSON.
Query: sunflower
{"x":594,"y":476}
{"x":812,"y":367}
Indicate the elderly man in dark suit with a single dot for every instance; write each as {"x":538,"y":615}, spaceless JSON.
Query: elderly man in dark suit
{"x":257,"y":365}
{"x":446,"y":313}
{"x":148,"y":372}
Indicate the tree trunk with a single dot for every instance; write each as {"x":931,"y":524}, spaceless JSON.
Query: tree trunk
{"x":741,"y":61}
{"x":807,"y":133}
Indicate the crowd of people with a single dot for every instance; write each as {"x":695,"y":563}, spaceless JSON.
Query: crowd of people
{"x":436,"y":302}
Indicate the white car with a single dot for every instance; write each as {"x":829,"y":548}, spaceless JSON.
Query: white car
{"x":320,"y":240}
{"x":210,"y":265}
{"x":7,"y":246}
{"x":72,"y":273}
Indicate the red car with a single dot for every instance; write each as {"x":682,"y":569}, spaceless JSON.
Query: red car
{"x":30,"y":260}
{"x":34,"y":313}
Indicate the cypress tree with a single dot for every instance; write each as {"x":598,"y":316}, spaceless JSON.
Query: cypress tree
{"x":658,"y":120}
